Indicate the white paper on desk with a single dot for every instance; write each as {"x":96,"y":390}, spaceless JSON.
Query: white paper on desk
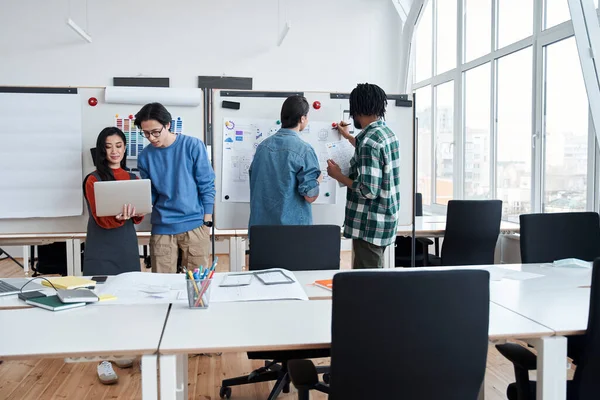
{"x":257,"y":291}
{"x":521,"y":275}
{"x":143,"y":288}
{"x":496,"y":273}
{"x":341,"y":152}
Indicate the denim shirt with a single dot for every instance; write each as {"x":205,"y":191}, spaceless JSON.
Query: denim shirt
{"x":285,"y":168}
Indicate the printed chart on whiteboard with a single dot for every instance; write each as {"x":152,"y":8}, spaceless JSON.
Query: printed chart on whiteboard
{"x":136,"y":142}
{"x":242,"y":136}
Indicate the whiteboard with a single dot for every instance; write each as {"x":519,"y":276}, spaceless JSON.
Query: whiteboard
{"x":40,"y":154}
{"x":93,"y":120}
{"x":259,"y":113}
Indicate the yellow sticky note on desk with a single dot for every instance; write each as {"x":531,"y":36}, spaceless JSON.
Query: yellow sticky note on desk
{"x":106,"y":297}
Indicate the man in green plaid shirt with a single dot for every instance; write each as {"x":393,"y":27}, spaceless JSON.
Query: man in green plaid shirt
{"x":373,"y":195}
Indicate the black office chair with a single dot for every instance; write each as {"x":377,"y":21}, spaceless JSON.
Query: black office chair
{"x":555,"y":236}
{"x":391,"y":338}
{"x":585,"y":384}
{"x":295,"y":248}
{"x":546,"y":238}
{"x":472,"y":229}
{"x":403,"y":245}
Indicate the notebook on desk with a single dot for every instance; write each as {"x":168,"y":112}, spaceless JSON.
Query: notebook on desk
{"x":325,"y":283}
{"x":52,"y":303}
{"x":69,"y":282}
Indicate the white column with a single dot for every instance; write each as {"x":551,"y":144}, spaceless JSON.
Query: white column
{"x":551,"y":368}
{"x":149,"y":377}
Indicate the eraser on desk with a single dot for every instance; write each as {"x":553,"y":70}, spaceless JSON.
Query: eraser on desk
{"x":106,"y":297}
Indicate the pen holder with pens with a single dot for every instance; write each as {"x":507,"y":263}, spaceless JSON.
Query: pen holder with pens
{"x":198,"y":292}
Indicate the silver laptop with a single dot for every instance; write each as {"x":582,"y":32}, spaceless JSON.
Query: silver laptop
{"x":111,"y":195}
{"x":10,"y":286}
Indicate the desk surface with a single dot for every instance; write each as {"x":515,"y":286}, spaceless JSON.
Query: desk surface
{"x":297,"y":324}
{"x":555,"y":300}
{"x":93,"y":331}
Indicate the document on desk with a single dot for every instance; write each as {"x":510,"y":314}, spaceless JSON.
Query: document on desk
{"x":258,"y":291}
{"x":142,"y":288}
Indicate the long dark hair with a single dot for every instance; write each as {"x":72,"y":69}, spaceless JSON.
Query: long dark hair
{"x":102,"y":167}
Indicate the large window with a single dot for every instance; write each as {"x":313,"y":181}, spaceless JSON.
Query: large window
{"x":566,"y":130}
{"x":502,"y":106}
{"x":444,"y":142}
{"x":477,"y":133}
{"x":446,"y":35}
{"x":478,"y":28}
{"x":424,"y":45}
{"x":423,"y":101}
{"x":515,"y":20}
{"x":513,"y":175}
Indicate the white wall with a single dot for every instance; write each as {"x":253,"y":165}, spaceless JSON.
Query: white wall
{"x":332,"y":45}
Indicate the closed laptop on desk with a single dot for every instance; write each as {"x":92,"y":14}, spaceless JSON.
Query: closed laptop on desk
{"x":110,"y":196}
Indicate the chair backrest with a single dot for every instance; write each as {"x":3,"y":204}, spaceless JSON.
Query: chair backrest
{"x":390,"y":335}
{"x":472,"y":229}
{"x":586,"y":382}
{"x":418,"y":205}
{"x":294,"y":247}
{"x":550,"y":237}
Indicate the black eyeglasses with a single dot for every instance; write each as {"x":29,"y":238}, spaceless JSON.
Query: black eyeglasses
{"x":155,"y":133}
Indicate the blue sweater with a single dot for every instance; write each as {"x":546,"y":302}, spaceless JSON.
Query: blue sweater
{"x":183,"y":184}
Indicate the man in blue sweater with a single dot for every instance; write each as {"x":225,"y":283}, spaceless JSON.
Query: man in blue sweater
{"x":183,"y":191}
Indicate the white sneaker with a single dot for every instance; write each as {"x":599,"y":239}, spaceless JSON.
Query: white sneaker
{"x":106,"y":373}
{"x":124,"y":363}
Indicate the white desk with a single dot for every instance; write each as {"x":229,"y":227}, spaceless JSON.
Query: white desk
{"x":300,"y":325}
{"x":95,"y":331}
{"x":554,"y":302}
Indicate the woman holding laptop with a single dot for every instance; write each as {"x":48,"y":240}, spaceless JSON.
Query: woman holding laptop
{"x":111,"y":246}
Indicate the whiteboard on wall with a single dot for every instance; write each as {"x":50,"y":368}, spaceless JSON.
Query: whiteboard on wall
{"x":40,"y":153}
{"x":237,"y":132}
{"x":93,"y":120}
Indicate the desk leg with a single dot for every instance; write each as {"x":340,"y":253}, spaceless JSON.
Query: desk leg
{"x":389,"y":257}
{"x":149,"y":377}
{"x":237,"y":254}
{"x":551,"y":368}
{"x":173,"y":377}
{"x":26,"y":260}
{"x":70,"y":257}
{"x":77,"y":257}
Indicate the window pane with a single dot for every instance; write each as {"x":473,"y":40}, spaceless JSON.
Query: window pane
{"x":477,"y":133}
{"x":444,"y":142}
{"x":478,"y":28}
{"x":556,"y":11}
{"x":446,"y":35}
{"x":515,"y":21}
{"x":423,"y":47}
{"x":514,"y":134}
{"x":423,"y":103}
{"x":566,"y":136}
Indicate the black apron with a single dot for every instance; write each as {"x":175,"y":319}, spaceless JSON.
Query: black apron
{"x":109,"y":251}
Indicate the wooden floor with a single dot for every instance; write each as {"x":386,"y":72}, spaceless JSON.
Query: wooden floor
{"x":55,"y":379}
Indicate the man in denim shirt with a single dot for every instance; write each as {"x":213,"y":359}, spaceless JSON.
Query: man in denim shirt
{"x":285,"y":173}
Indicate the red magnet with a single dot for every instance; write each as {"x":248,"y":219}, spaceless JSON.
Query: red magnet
{"x":334,"y":124}
{"x":317,"y":105}
{"x":130,"y":116}
{"x":92,"y":101}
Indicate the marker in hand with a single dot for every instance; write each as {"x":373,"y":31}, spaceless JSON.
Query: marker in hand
{"x":342,"y":124}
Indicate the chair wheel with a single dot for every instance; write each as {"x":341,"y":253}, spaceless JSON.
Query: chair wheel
{"x":225,"y":392}
{"x":326,"y":378}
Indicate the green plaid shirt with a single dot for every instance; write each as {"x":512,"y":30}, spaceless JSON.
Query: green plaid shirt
{"x":373,"y":200}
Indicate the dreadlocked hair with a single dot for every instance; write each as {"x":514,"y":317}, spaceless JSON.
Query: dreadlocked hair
{"x":368,"y":99}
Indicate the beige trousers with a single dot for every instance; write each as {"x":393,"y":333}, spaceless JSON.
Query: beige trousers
{"x":194,"y":244}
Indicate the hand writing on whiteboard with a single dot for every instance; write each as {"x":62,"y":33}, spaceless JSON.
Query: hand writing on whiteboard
{"x":343,"y":129}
